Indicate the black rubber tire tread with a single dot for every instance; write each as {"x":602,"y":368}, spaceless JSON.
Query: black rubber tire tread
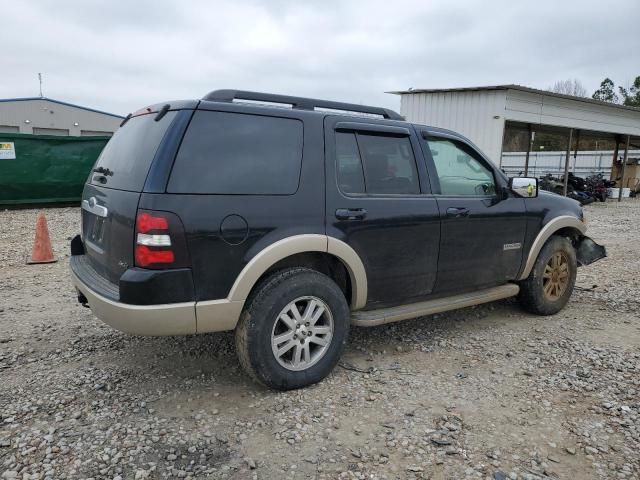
{"x":253,"y":332}
{"x":531,"y":295}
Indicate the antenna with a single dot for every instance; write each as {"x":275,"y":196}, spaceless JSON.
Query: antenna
{"x":40,"y":80}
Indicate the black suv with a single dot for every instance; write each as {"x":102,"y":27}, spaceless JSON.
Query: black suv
{"x":288,"y":219}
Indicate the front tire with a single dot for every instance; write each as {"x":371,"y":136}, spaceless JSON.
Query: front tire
{"x":293,"y":329}
{"x":549,"y":286}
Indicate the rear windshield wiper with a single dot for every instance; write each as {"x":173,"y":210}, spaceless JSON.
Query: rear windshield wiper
{"x":104,"y":171}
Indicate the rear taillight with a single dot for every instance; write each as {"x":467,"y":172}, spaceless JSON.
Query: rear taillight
{"x":159,"y":240}
{"x":145,"y":222}
{"x":146,"y":256}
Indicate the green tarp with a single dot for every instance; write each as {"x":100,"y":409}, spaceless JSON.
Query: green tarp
{"x":45,"y":168}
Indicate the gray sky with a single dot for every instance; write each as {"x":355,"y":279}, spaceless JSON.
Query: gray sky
{"x":121,"y":55}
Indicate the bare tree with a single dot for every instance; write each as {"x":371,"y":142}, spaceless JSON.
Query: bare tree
{"x":571,"y":87}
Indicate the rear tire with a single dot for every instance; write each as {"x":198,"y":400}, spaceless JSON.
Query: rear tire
{"x":549,"y":286}
{"x":293,"y":329}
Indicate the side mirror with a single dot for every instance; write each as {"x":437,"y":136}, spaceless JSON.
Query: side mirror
{"x":524,"y":186}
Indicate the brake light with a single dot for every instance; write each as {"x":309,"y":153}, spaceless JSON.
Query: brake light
{"x":145,"y":222}
{"x":153,"y":240}
{"x":145,"y":256}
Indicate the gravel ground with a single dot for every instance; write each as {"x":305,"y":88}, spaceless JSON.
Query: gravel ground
{"x":486,"y":392}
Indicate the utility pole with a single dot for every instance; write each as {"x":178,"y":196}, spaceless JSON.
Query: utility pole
{"x":40,"y":80}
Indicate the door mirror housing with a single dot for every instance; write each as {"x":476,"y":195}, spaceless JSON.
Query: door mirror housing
{"x":526,"y":187}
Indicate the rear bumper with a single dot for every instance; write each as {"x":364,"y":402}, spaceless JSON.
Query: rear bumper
{"x":134,"y":305}
{"x":153,"y":320}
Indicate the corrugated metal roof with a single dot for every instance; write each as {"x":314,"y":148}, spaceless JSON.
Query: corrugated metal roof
{"x":519,"y":88}
{"x":26,"y":99}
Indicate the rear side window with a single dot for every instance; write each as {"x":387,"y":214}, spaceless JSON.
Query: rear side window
{"x":130,"y":151}
{"x":376,"y":164}
{"x":232,"y":153}
{"x":350,"y":174}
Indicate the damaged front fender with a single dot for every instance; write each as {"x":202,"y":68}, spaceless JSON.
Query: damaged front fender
{"x":588,"y":251}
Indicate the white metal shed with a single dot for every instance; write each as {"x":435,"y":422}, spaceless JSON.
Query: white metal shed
{"x":483,"y":113}
{"x":480,"y":113}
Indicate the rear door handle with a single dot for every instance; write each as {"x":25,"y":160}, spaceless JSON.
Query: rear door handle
{"x":91,"y":206}
{"x":457,"y":212}
{"x":350,"y":213}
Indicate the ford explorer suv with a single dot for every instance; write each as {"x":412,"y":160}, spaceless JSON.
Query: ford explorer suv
{"x":290,"y":219}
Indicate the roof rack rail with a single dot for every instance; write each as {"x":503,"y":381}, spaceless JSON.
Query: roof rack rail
{"x":300,"y":103}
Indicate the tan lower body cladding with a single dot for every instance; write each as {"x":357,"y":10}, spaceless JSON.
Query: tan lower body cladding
{"x":372,"y":318}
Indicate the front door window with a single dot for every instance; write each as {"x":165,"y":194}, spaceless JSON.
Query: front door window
{"x":459,"y":172}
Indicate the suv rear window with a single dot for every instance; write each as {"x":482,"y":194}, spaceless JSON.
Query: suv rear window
{"x":130,"y":151}
{"x":388,"y":165}
{"x":232,"y":153}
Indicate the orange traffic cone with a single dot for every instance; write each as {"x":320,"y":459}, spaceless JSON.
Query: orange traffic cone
{"x":42,"y":251}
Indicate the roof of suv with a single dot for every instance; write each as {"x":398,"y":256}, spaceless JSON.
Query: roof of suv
{"x":244,"y":98}
{"x":271,"y":100}
{"x":298,"y":103}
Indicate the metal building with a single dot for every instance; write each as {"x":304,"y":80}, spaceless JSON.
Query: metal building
{"x":45,"y":116}
{"x":485,"y":114}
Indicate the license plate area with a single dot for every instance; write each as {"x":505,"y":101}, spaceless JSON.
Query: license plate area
{"x":108,"y":222}
{"x":96,"y":235}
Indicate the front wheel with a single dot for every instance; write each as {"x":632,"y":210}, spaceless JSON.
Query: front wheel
{"x":293,"y":329}
{"x":549,"y":286}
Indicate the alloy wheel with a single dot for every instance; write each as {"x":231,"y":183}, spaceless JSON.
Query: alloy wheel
{"x":555,"y":278}
{"x":302,"y":333}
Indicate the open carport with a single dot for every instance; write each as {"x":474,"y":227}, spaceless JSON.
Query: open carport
{"x":510,"y":122}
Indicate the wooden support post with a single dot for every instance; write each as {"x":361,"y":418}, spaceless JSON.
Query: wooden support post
{"x":504,"y":134}
{"x":566,"y":163}
{"x":624,"y":164}
{"x":615,"y":158}
{"x":526,"y":158}
{"x":575,"y":151}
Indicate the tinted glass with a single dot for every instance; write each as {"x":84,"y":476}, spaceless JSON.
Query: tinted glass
{"x":231,"y":153}
{"x":130,"y":151}
{"x":350,"y":175}
{"x":389,"y":164}
{"x":459,"y":172}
